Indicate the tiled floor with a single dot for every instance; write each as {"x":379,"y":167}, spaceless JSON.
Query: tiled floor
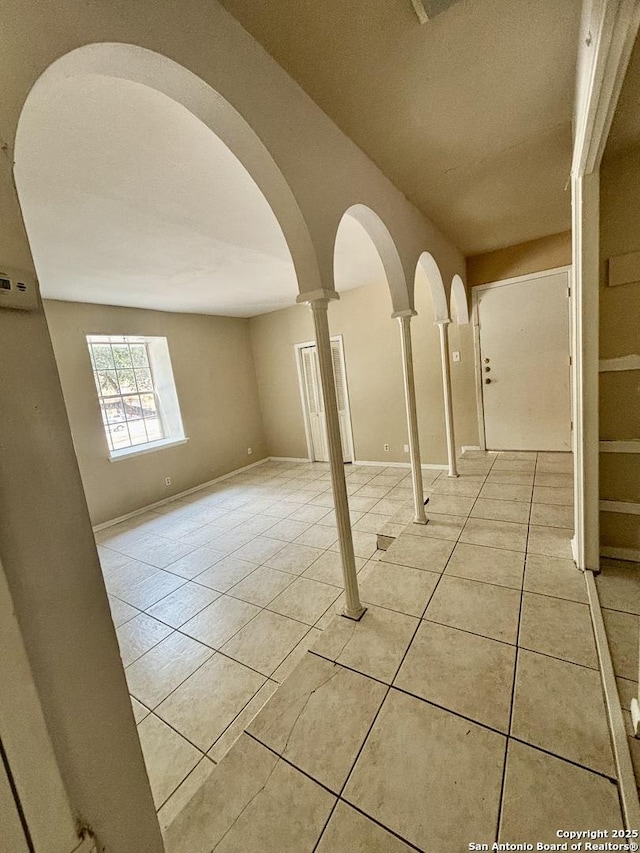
{"x":465,"y":706}
{"x":619,"y":592}
{"x":217,"y":596}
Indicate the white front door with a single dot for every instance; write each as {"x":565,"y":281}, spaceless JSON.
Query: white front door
{"x":524,"y":346}
{"x":313,"y":401}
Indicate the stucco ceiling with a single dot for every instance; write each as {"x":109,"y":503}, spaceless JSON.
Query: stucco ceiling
{"x":469,"y":114}
{"x":130,"y":200}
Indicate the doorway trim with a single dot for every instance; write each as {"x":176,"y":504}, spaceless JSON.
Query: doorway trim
{"x":475,"y":319}
{"x":307,"y":426}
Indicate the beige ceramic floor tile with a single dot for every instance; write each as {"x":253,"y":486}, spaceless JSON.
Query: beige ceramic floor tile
{"x":550,"y":495}
{"x":139,"y":710}
{"x":533,"y":808}
{"x":510,"y":478}
{"x":305,"y":600}
{"x":183,"y":793}
{"x":204,"y":705}
{"x":296,"y":655}
{"x":622,"y":635}
{"x":261,"y":586}
{"x":319,"y":718}
{"x":318,"y":536}
{"x":110,"y":559}
{"x":252,"y":801}
{"x":309,"y":513}
{"x":495,"y":534}
{"x":266,"y":641}
{"x":349,"y":830}
{"x":467,"y":485}
{"x":180,"y":606}
{"x":153,"y":676}
{"x":416,"y":748}
{"x":260,"y":549}
{"x":558,"y":706}
{"x":556,"y":481}
{"x":419,"y":553}
{"x":503,"y":463}
{"x":364,"y":544}
{"x":437,"y":527}
{"x":169,"y":758}
{"x":442,"y":504}
{"x":121,"y":612}
{"x":480,"y":608}
{"x":328,"y":569}
{"x":194,"y":563}
{"x":470,"y":675}
{"x":497,"y":510}
{"x":156,"y":551}
{"x":552,"y":515}
{"x":226,"y":573}
{"x":146,"y":592}
{"x":294,"y":558}
{"x":218,"y":622}
{"x":619,"y":588}
{"x":138,"y":635}
{"x":240,"y":723}
{"x":397,"y":587}
{"x":550,"y":541}
{"x":374,"y":646}
{"x":491,"y":565}
{"x":287,"y":530}
{"x":562,"y":629}
{"x":506,"y":492}
{"x":553,"y":576}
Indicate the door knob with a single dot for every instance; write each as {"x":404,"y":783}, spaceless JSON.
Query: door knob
{"x":487,"y":381}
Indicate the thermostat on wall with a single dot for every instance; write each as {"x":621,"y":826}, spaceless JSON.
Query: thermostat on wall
{"x":18,"y":289}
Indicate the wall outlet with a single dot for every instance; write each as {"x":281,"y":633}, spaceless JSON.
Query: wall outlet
{"x":167,"y":481}
{"x":386,"y":448}
{"x":406,"y":448}
{"x":456,"y":355}
{"x":249,"y":451}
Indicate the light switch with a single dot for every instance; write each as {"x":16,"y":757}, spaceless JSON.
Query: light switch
{"x":456,"y":355}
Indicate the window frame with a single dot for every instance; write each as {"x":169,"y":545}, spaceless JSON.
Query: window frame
{"x":163,"y":389}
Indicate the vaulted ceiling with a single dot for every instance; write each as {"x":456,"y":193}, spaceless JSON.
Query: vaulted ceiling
{"x":468,"y":114}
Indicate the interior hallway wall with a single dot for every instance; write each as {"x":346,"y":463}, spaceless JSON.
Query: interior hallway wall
{"x":374,"y":376}
{"x":522,"y":259}
{"x":619,"y":336}
{"x":215,"y":380}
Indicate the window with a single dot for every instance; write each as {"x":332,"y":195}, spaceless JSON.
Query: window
{"x":136,"y":392}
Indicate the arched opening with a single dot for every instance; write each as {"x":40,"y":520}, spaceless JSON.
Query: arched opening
{"x":433,"y":275}
{"x":459,"y":305}
{"x":367,"y":274}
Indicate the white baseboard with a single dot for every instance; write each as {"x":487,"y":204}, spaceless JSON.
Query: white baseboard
{"x":287,"y":459}
{"x":632,"y":555}
{"x":148,"y":507}
{"x":466,"y":447}
{"x":426,"y":466}
{"x":574,"y":549}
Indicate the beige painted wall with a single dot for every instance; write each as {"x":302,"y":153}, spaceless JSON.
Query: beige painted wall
{"x":619,"y":336}
{"x":534,"y":256}
{"x":374,"y":375}
{"x":215,"y":380}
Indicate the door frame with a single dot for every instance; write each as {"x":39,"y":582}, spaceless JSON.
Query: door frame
{"x":475,"y":319}
{"x":307,"y":426}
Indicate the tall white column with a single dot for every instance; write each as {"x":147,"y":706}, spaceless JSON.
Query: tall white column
{"x":404,"y":319}
{"x":318,"y":301}
{"x":443,"y":325}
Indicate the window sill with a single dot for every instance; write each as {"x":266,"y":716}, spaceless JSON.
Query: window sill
{"x":128,"y":452}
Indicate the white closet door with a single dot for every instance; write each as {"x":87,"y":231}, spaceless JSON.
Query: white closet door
{"x":313,"y":401}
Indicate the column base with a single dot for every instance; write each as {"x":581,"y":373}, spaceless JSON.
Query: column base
{"x":354,"y":615}
{"x":453,"y":476}
{"x":423,"y":520}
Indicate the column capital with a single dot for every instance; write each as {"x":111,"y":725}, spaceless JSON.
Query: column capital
{"x":314,"y":296}
{"x":446,"y":322}
{"x":408,"y":313}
